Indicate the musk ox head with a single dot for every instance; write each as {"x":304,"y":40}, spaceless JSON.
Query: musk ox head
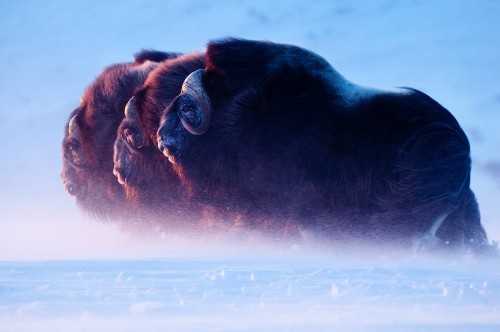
{"x":91,"y":131}
{"x":145,"y":174}
{"x":274,"y":128}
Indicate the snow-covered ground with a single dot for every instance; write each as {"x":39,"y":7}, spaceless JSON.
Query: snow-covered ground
{"x":247,"y":295}
{"x":51,"y":50}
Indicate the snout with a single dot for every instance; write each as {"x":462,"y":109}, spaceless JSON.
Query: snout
{"x":121,"y":161}
{"x":168,"y":145}
{"x":71,"y":188}
{"x":70,"y":180}
{"x":168,"y":148}
{"x":119,"y":172}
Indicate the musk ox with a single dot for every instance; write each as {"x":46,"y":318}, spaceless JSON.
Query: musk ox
{"x":273,"y":129}
{"x":146,"y":175}
{"x":91,"y":130}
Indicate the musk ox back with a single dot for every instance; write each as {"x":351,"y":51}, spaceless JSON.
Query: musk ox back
{"x":272,"y":129}
{"x":91,"y":131}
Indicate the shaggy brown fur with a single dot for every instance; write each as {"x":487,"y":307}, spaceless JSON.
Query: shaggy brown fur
{"x":91,"y":131}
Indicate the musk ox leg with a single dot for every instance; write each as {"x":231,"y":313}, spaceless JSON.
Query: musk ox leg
{"x":458,"y":232}
{"x":476,"y":240}
{"x":429,"y":240}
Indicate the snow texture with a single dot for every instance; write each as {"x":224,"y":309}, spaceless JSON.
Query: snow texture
{"x":61,"y":271}
{"x":247,"y":295}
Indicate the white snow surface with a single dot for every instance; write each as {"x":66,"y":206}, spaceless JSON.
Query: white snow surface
{"x":247,"y":295}
{"x":62,"y":271}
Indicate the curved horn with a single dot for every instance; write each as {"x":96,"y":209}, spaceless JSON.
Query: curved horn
{"x":193,"y":86}
{"x":130,"y":111}
{"x":73,"y":127}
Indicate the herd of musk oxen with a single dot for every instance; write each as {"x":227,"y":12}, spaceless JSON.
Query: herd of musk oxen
{"x":253,"y":136}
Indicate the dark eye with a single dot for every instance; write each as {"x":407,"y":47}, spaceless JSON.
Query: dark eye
{"x":190,"y":114}
{"x":133,"y":137}
{"x":72,"y":152}
{"x":187,"y":109}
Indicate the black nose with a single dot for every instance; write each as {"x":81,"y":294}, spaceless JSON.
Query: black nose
{"x":161,"y":145}
{"x":160,"y":138}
